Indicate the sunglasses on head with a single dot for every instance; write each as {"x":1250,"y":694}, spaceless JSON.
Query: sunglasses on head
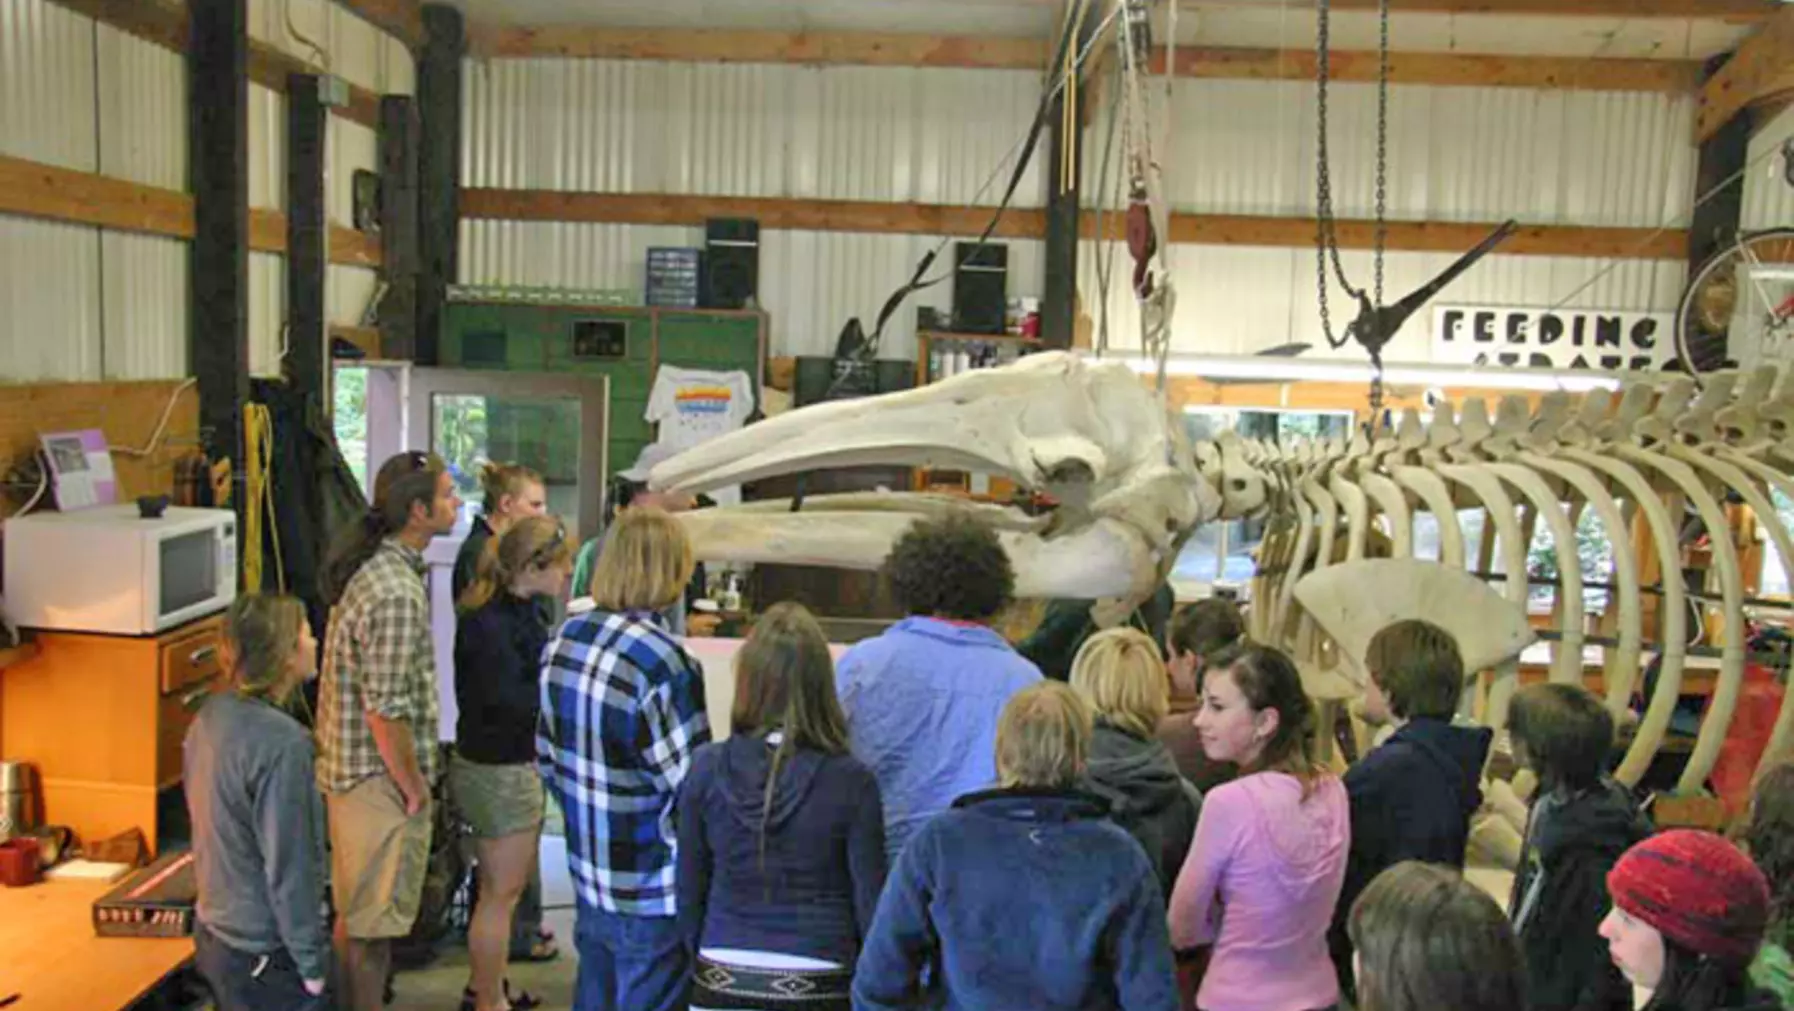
{"x":551,"y":548}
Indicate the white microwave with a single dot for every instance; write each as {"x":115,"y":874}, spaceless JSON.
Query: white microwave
{"x":111,"y":571}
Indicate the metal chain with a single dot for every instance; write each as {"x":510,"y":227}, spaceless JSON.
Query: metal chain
{"x":1326,"y":238}
{"x":1382,"y":230}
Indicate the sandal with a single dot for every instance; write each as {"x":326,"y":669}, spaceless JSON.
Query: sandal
{"x":522,"y":1000}
{"x":542,"y":949}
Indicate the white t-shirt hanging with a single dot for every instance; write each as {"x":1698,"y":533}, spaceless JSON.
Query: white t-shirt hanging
{"x":692,"y":406}
{"x":695,"y":405}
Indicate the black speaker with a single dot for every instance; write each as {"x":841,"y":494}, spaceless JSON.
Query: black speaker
{"x":980,"y":287}
{"x":731,"y":262}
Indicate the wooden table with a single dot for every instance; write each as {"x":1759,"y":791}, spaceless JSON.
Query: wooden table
{"x":51,"y":958}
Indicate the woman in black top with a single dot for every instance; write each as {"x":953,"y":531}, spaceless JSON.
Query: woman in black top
{"x":498,"y":653}
{"x":513,"y":492}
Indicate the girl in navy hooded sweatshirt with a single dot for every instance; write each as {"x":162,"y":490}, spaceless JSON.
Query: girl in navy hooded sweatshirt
{"x":781,"y":834}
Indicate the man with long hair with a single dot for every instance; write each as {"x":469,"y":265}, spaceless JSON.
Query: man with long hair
{"x":377,"y":717}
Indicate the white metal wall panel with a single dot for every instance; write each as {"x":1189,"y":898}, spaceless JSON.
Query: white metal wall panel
{"x":142,"y":110}
{"x":49,"y":301}
{"x":46,"y":84}
{"x":351,"y":146}
{"x":267,"y":312}
{"x":1455,"y":154}
{"x":143,"y":282}
{"x":1241,"y":300}
{"x":1768,"y":192}
{"x":858,"y":133}
{"x":811,"y":283}
{"x":398,"y":70}
{"x":348,"y":291}
{"x":267,"y":148}
{"x":353,"y":49}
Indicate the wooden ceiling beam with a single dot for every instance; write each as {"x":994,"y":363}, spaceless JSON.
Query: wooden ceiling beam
{"x":1760,"y":72}
{"x":1442,"y":69}
{"x":165,"y":24}
{"x":1733,"y":11}
{"x":928,"y":219}
{"x":901,"y":50}
{"x":53,"y":193}
{"x":875,"y":49}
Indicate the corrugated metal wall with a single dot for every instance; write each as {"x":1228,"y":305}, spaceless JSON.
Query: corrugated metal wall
{"x":80,"y":303}
{"x":355,"y":50}
{"x":936,"y":136}
{"x":1455,"y":154}
{"x":1768,"y":191}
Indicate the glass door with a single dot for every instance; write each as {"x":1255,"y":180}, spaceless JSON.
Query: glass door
{"x":553,"y":424}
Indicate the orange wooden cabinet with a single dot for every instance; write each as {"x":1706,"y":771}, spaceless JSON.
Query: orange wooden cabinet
{"x":103,"y":717}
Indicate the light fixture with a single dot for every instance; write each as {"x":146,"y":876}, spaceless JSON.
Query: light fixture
{"x":1291,"y":370}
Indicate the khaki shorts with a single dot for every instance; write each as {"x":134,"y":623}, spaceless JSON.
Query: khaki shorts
{"x":378,"y":859}
{"x":497,"y":800}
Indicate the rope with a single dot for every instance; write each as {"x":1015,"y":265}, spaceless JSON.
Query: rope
{"x":258,"y":439}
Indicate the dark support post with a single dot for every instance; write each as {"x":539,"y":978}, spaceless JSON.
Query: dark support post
{"x":218,"y":257}
{"x":398,"y":227}
{"x":1715,"y":222}
{"x":1064,"y":167}
{"x":306,"y":234}
{"x":438,"y":170}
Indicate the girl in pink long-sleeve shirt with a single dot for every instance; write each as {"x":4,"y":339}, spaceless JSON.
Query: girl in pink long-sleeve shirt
{"x":1268,"y":860}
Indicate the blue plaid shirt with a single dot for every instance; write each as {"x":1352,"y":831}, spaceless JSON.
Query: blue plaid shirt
{"x":622,"y":712}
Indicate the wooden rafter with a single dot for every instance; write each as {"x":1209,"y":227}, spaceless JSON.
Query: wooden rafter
{"x":402,"y":19}
{"x":912,"y":50}
{"x":1447,"y":69}
{"x":1736,"y":11}
{"x":1761,"y":71}
{"x":52,"y":193}
{"x":929,"y":219}
{"x":165,"y":24}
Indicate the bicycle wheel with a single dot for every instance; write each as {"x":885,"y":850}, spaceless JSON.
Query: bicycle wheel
{"x":1738,"y":310}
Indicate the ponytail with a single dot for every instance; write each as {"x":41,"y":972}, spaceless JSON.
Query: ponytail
{"x":537,"y":542}
{"x":404,"y":480}
{"x":261,"y":636}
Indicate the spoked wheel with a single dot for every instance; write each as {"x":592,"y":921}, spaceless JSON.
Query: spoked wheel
{"x":1738,"y":311}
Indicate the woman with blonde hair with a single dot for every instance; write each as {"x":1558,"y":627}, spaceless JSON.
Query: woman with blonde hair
{"x":512,"y":492}
{"x":1269,"y":857}
{"x":1119,"y":673}
{"x":258,"y":842}
{"x":498,"y":651}
{"x":622,"y":713}
{"x":781,"y":833}
{"x":1025,"y":896}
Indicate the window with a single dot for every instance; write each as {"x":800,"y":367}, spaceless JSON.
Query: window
{"x":1222,"y":552}
{"x":1774,"y":581}
{"x":350,"y":419}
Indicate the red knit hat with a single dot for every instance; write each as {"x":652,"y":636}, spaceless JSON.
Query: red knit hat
{"x":1696,"y":889}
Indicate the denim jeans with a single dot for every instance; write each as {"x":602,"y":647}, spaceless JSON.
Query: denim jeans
{"x":244,"y":982}
{"x":630,"y":963}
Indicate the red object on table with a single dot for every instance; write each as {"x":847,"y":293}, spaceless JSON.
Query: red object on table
{"x":19,"y":862}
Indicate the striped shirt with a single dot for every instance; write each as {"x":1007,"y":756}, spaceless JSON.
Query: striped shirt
{"x":622,"y":713}
{"x":378,"y":658}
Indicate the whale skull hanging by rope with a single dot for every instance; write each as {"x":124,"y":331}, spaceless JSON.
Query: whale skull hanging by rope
{"x":1376,"y":324}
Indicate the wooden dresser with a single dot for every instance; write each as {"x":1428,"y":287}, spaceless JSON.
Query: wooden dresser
{"x":102,"y":718}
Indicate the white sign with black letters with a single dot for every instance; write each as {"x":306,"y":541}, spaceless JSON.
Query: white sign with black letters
{"x":1523,"y":338}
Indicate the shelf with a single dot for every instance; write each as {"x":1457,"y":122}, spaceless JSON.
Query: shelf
{"x":944,"y":335}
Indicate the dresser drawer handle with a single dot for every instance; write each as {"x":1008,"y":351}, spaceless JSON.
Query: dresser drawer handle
{"x":193,"y":696}
{"x":201,"y":655}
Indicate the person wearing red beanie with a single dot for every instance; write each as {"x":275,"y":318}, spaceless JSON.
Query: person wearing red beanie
{"x":1689,"y":910}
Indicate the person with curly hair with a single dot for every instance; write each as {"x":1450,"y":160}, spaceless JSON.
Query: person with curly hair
{"x":923,"y":699}
{"x":1768,"y":836}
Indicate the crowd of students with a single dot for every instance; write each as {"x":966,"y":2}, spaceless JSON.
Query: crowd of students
{"x":928,"y":822}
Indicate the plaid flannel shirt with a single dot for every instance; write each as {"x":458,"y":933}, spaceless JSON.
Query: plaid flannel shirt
{"x":378,"y":657}
{"x":622,"y":713}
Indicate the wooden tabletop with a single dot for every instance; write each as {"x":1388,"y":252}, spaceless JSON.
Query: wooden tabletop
{"x":51,"y":958}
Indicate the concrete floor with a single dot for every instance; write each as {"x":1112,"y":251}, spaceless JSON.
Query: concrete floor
{"x":439,"y":987}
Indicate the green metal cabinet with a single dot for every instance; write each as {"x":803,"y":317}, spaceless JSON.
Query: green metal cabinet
{"x":540,"y":338}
